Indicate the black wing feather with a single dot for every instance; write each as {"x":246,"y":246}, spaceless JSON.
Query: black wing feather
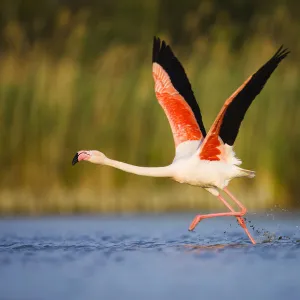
{"x":238,"y":107}
{"x":164,"y":56}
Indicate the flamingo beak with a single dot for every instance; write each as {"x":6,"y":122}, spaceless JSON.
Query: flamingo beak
{"x":75,"y":159}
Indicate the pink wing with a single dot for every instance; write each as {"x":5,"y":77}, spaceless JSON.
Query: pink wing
{"x":181,"y":118}
{"x":226,"y":126}
{"x":175,"y":95}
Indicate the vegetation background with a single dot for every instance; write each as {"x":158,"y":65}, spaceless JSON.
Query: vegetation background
{"x":76,"y":74}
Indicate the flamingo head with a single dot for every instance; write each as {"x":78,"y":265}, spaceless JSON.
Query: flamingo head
{"x":92,"y":156}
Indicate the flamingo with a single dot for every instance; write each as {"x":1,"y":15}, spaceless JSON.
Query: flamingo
{"x":201,"y":159}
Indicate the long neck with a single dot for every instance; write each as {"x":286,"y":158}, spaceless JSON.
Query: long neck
{"x":143,"y":171}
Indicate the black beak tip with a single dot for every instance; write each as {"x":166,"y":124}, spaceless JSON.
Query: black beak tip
{"x":75,"y":159}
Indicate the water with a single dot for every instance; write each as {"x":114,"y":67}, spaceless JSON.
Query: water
{"x":149,"y":257}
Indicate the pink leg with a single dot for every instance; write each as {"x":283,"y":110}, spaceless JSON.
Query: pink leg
{"x":244,"y":210}
{"x":202,"y":217}
{"x":235,"y":200}
{"x":228,"y":214}
{"x":240,"y":219}
{"x":238,"y":215}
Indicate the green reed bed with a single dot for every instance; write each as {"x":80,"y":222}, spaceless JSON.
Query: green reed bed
{"x":52,"y":107}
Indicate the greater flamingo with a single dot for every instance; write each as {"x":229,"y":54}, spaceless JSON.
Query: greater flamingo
{"x":205,"y":160}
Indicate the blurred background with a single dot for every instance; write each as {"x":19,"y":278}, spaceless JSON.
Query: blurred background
{"x":77,"y":74}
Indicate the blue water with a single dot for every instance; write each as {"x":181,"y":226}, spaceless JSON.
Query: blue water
{"x":149,"y":257}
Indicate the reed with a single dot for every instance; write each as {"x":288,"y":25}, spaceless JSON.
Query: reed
{"x":52,"y":107}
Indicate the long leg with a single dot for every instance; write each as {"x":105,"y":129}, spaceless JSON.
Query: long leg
{"x":239,"y":215}
{"x":243,"y":209}
{"x":240,"y":219}
{"x":235,"y":199}
{"x":198,"y":218}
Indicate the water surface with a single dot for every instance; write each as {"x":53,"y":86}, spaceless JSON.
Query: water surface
{"x":149,"y":257}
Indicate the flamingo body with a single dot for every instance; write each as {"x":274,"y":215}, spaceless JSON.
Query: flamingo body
{"x":205,"y":173}
{"x":202,"y":159}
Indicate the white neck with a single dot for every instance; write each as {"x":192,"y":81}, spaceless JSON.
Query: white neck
{"x":143,"y":171}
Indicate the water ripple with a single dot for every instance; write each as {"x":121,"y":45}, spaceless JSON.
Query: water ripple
{"x":146,"y":258}
{"x":74,"y":247}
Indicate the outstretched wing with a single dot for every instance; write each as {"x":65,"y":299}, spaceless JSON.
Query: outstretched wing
{"x":174,"y":93}
{"x":221,"y":136}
